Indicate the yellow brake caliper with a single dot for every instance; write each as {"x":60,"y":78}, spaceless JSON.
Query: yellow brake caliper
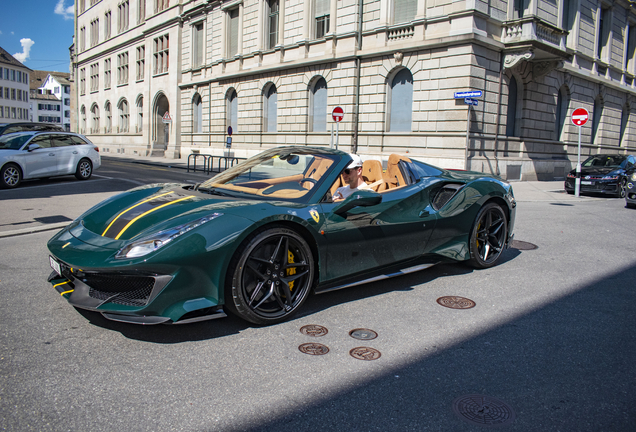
{"x":291,"y":270}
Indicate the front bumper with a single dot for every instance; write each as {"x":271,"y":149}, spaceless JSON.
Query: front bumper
{"x":606,"y":187}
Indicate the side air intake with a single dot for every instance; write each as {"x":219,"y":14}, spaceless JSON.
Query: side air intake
{"x":444,"y":195}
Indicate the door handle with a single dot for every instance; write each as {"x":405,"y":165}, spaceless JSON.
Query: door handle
{"x":75,"y":152}
{"x":51,"y":154}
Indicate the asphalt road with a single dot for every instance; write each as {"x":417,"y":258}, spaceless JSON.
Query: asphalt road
{"x":551,"y":336}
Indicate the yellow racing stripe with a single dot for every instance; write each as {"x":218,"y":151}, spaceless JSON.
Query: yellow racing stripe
{"x":130,"y":208}
{"x":148,"y":212}
{"x":66,"y":292}
{"x":62,"y":283}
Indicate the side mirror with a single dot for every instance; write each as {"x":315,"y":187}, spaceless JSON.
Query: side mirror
{"x":33,"y":147}
{"x":360,"y":198}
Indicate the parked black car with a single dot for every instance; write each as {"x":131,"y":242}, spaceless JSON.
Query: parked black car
{"x":602,"y":174}
{"x":630,"y":188}
{"x":7,"y":128}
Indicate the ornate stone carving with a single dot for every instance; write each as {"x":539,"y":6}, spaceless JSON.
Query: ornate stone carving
{"x":398,"y":56}
{"x":543,"y":68}
{"x":514,"y":58}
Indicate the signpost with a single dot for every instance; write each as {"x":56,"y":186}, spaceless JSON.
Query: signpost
{"x":228,"y":142}
{"x":166,"y":118}
{"x":468,"y":100}
{"x":337,"y":114}
{"x":580,"y":116}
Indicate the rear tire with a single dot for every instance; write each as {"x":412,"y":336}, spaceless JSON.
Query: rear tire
{"x":270,"y":276}
{"x":488,"y":236}
{"x":10,"y":176}
{"x":84,"y":170}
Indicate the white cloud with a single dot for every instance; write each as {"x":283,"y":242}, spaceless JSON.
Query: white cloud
{"x":26,"y":49}
{"x":67,"y":12}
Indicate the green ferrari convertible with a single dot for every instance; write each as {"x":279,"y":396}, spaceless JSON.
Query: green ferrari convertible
{"x":258,"y":238}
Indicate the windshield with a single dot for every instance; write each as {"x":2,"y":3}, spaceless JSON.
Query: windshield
{"x":604,"y":161}
{"x":287,"y":174}
{"x":14,"y":141}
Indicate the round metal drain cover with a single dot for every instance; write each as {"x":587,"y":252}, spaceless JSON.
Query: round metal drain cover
{"x":363,"y":334}
{"x":455,"y":302}
{"x":365,"y":353}
{"x":521,"y":245}
{"x":483,"y":410}
{"x":314,"y":330}
{"x":313,"y":349}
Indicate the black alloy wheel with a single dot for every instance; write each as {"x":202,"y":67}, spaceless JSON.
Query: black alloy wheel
{"x":10,"y":176}
{"x":488,"y":236}
{"x":622,"y":188}
{"x":84,"y":170}
{"x":270,"y":277}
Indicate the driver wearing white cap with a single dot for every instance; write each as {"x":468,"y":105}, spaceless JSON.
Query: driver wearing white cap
{"x":352,"y":176}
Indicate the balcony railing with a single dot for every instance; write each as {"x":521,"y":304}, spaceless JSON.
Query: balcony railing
{"x":532,"y":29}
{"x":401,"y":32}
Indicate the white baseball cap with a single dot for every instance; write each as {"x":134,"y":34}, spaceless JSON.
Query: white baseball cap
{"x":356,"y":162}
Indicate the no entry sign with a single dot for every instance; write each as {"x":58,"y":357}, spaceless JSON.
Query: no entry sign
{"x":337,"y":114}
{"x":580,"y":116}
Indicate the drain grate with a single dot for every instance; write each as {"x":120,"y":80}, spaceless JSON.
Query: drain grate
{"x":483,"y":410}
{"x":363,"y":334}
{"x":521,"y":245}
{"x":314,"y":330}
{"x":454,"y":302}
{"x":365,"y":353}
{"x":313,"y":349}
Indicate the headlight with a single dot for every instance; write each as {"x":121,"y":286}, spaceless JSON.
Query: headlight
{"x":633,"y":177}
{"x":571,"y":175}
{"x":151,"y":243}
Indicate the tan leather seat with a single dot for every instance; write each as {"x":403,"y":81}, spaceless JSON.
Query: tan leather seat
{"x":393,"y":175}
{"x":372,"y":175}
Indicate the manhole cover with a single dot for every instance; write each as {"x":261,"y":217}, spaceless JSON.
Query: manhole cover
{"x":313,"y":349}
{"x":521,"y":245}
{"x":363,"y":334}
{"x":483,"y":410}
{"x":365,"y":353}
{"x":314,"y":330}
{"x":455,"y":302}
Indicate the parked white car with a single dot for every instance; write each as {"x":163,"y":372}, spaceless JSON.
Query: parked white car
{"x":29,"y":155}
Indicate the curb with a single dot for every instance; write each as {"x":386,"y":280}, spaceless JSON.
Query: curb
{"x":37,"y":229}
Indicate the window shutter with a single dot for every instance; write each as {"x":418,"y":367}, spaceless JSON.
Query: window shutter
{"x":404,"y":11}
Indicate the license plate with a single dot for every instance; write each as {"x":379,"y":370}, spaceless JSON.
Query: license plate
{"x":55,"y":265}
{"x":587,"y":182}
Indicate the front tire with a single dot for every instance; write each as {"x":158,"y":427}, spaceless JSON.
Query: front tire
{"x":10,"y":176}
{"x":84,"y":170}
{"x":488,"y":236}
{"x":622,"y":188}
{"x":270,"y":276}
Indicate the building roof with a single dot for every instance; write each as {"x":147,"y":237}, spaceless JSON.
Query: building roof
{"x":7,"y":58}
{"x":38,"y":96}
{"x":37,"y":79}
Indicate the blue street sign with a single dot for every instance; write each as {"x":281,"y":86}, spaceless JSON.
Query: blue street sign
{"x":469,"y":101}
{"x":468,"y":94}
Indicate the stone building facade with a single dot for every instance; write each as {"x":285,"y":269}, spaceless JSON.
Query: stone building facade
{"x":275,"y":69}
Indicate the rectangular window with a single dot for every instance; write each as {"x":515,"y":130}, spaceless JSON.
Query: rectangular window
{"x":56,"y":90}
{"x":94,"y":32}
{"x":122,"y":68}
{"x":233,"y":32}
{"x":1,"y":74}
{"x":272,"y":23}
{"x":7,"y":93}
{"x":631,"y":45}
{"x":19,"y":76}
{"x":198,"y":42}
{"x":82,"y":6}
{"x":1,"y":93}
{"x":141,"y":11}
{"x":141,"y":62}
{"x":603,"y":34}
{"x":67,"y":102}
{"x":82,"y":40}
{"x":321,"y":14}
{"x":161,"y":5}
{"x":12,"y":75}
{"x":25,"y":77}
{"x":123,"y":11}
{"x":20,"y":95}
{"x":161,"y":54}
{"x":83,"y":81}
{"x":26,"y":96}
{"x":12,"y":94}
{"x":107,"y":25}
{"x":94,"y":77}
{"x":404,"y":11}
{"x":1,"y":112}
{"x":106,"y":74}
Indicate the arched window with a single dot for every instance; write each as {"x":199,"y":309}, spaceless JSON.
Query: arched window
{"x":511,"y":113}
{"x":270,"y":109}
{"x":123,"y":116}
{"x":232,"y":109}
{"x":561,"y":112}
{"x":318,"y":106}
{"x":596,"y":117}
{"x":109,"y":117}
{"x":197,"y":114}
{"x":624,"y":123}
{"x":83,"y":119}
{"x":95,"y":119}
{"x":140,"y":114}
{"x":401,"y":110}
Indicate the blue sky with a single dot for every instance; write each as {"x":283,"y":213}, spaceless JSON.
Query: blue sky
{"x":39,"y":32}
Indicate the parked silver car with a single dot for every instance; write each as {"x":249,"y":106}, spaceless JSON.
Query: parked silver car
{"x":29,"y":155}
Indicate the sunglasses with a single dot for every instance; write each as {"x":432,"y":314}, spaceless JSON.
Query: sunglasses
{"x":348,"y":170}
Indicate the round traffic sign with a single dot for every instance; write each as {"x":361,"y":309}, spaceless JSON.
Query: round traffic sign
{"x":229,"y":130}
{"x":337,"y":114}
{"x":580,"y":116}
